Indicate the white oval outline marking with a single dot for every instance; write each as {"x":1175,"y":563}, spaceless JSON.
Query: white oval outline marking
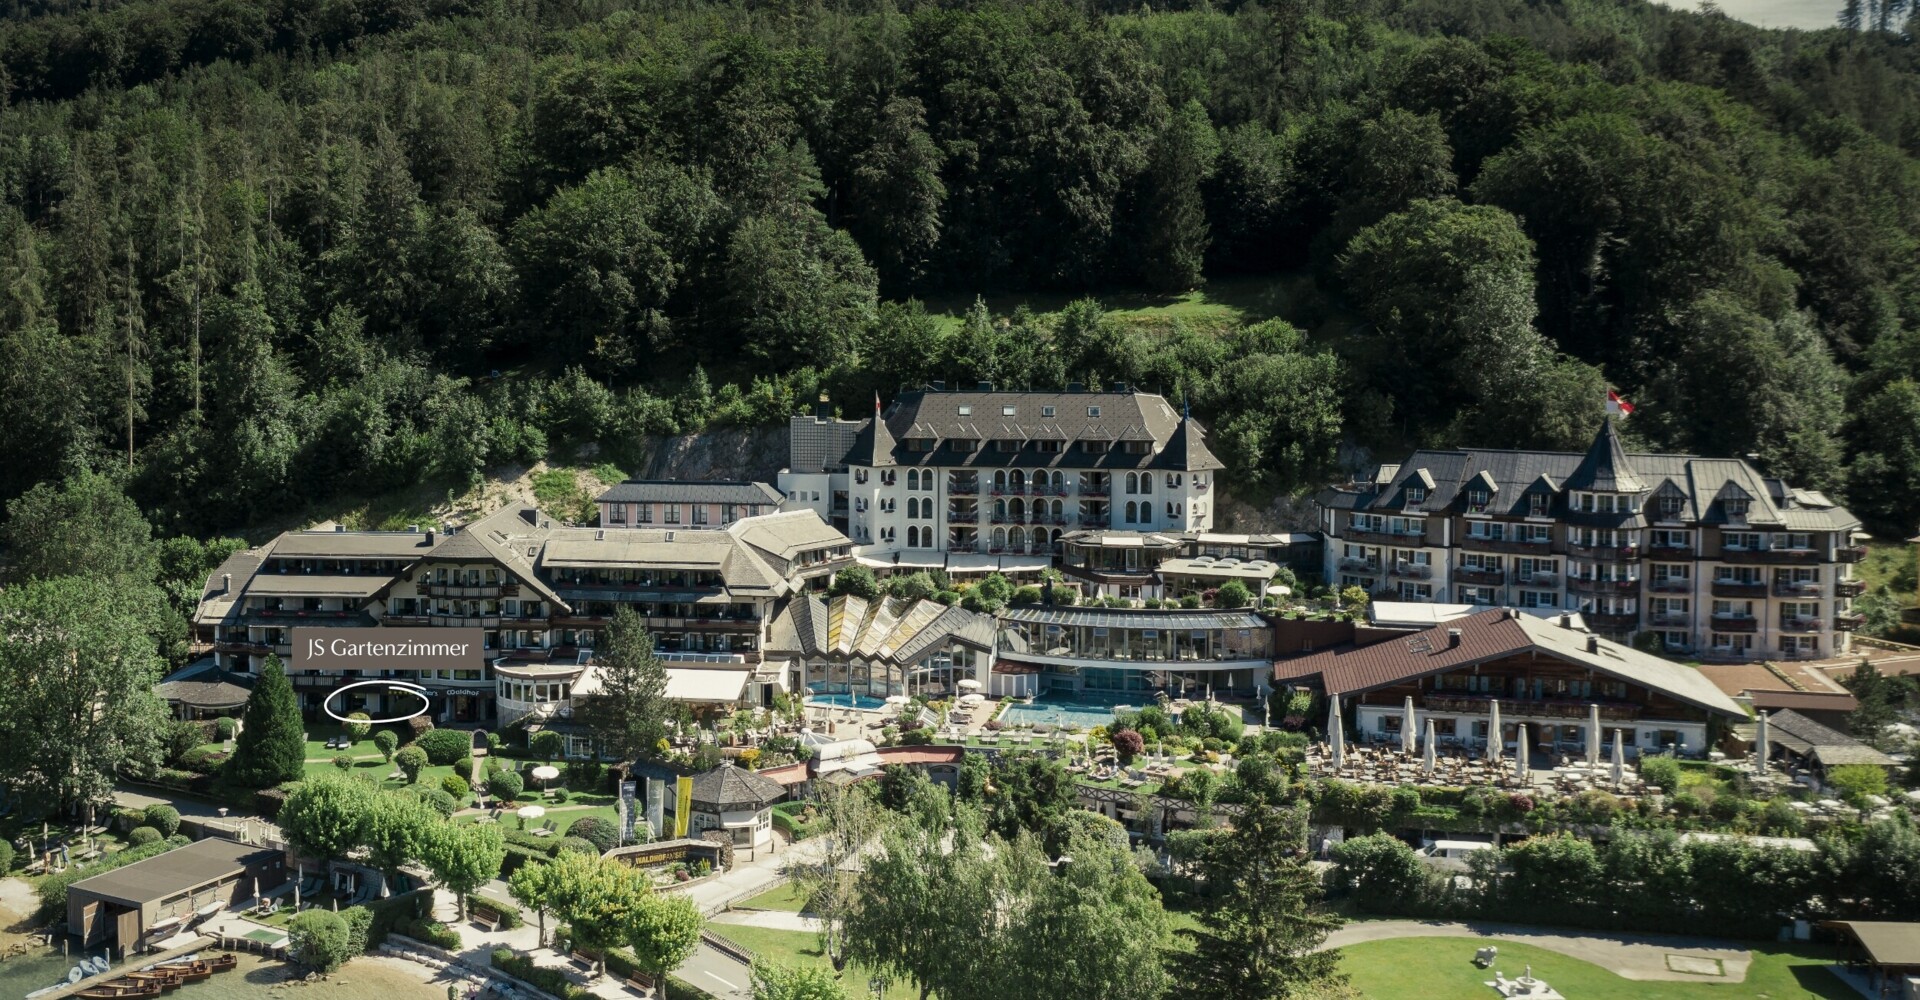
{"x":402,"y":686}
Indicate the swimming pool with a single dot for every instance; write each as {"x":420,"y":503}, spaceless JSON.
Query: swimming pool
{"x":865,"y":703}
{"x":1058,"y":712}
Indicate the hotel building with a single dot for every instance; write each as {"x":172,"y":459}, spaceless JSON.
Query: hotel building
{"x":1709,"y":556}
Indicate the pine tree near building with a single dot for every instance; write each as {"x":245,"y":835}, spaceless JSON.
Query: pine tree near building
{"x":271,"y":747}
{"x":628,"y":716}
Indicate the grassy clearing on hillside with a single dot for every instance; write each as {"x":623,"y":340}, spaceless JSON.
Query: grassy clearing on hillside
{"x":1218,"y":306}
{"x":1443,"y":969}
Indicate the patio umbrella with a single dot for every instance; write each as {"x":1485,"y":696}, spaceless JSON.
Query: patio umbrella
{"x":1409,"y":739}
{"x":1336,"y":737}
{"x":1593,"y":735}
{"x":545,"y":773}
{"x":1427,"y":764}
{"x":1520,"y":753}
{"x":300,"y":875}
{"x":1619,"y":761}
{"x":969,"y":685}
{"x":529,"y":812}
{"x":1494,"y":743}
{"x":897,"y":700}
{"x":1761,"y":749}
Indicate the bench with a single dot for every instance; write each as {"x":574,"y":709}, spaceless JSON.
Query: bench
{"x":639,"y":981}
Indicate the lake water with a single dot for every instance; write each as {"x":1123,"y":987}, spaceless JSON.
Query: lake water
{"x":1808,"y":14}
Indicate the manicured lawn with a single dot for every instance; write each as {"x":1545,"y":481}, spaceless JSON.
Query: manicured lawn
{"x":803,"y":948}
{"x":786,"y":896}
{"x":1225,"y":302}
{"x":1443,"y":969}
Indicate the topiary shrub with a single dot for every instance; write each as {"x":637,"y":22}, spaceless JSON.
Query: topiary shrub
{"x":1662,"y":771}
{"x":576,"y":845}
{"x":596,"y":831}
{"x":320,"y":940}
{"x":505,"y":786}
{"x":387,"y":743}
{"x":358,"y":725}
{"x":223,"y":728}
{"x":557,"y":794}
{"x":6,"y":857}
{"x":163,"y":818}
{"x":143,"y":835}
{"x":411,"y":759}
{"x":457,"y":787}
{"x":445,"y":746}
{"x":343,"y":762}
{"x":1127,"y":744}
{"x":437,"y":799}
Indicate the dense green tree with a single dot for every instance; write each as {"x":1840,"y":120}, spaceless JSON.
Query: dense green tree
{"x":77,"y":670}
{"x":81,"y":527}
{"x":628,"y":715}
{"x":323,"y":818}
{"x":855,"y":580}
{"x":795,"y":982}
{"x":271,"y":747}
{"x":1175,"y":235}
{"x":463,"y":857}
{"x":663,"y":934}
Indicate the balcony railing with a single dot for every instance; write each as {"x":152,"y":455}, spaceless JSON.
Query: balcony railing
{"x":1385,"y":537}
{"x":1732,"y":623}
{"x":1803,"y":625}
{"x":1849,"y":588}
{"x":1537,"y":579}
{"x":1738,"y":588}
{"x":1612,"y":619}
{"x":1476,"y":704}
{"x":968,"y":488}
{"x":1796,"y":588}
{"x":1850,"y":553}
{"x":1359,"y":565}
{"x":1745,"y":556}
{"x":1669,"y":550}
{"x":1671,"y":585}
{"x":1606,"y":553}
{"x":1481,"y":543}
{"x":1670,"y":619}
{"x":1482,"y":577}
{"x":478,"y":590}
{"x":1586,"y":585}
{"x":1847,"y":621}
{"x":1412,"y":571}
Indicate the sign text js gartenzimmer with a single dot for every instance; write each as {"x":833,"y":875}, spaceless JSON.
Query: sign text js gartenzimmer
{"x":388,"y":648}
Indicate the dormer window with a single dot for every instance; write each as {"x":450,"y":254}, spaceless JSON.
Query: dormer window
{"x":1477,"y":499}
{"x":1006,"y":444}
{"x":1008,"y":411}
{"x":1093,"y":411}
{"x":966,"y":411}
{"x":1094,"y":447}
{"x":1136,"y":447}
{"x":919,"y":444}
{"x":1046,"y":411}
{"x":1671,"y":506}
{"x":1538,"y":504}
{"x":965,"y":444}
{"x":1416,"y":495}
{"x":1736,"y":508}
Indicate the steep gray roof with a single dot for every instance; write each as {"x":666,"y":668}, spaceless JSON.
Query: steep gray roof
{"x":987,"y":415}
{"x":1605,"y":469}
{"x":685,"y":491}
{"x":728,"y":787}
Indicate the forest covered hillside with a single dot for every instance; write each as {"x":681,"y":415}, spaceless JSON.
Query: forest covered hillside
{"x":258,"y":256}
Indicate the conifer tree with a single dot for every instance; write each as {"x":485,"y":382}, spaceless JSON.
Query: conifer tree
{"x":271,"y":747}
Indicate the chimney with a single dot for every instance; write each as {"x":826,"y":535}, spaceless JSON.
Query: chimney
{"x":823,"y":409}
{"x":1453,"y":637}
{"x":339,"y":527}
{"x":1566,"y":621}
{"x":600,"y":535}
{"x":430,"y":534}
{"x":413,"y":529}
{"x":226,"y":583}
{"x":1593,"y":644}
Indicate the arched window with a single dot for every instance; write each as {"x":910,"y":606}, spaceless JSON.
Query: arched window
{"x":1059,"y":480}
{"x":1133,"y":484}
{"x":1000,"y":509}
{"x":1057,"y":508}
{"x":1017,"y":539}
{"x":1016,"y":480}
{"x":999,"y":538}
{"x":1017,"y":509}
{"x":1040,"y":478}
{"x":1131,"y":507}
{"x":1146,"y":483}
{"x":913,"y":479}
{"x":913,"y":507}
{"x":999,"y":479}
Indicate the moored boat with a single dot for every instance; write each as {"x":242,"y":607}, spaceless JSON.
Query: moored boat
{"x":119,"y":989}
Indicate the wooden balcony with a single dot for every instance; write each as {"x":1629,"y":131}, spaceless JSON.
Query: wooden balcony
{"x":1848,"y":621}
{"x":1364,"y":566}
{"x":1735,"y":588}
{"x":1671,"y":585}
{"x":1384,"y":537}
{"x":1771,"y":556}
{"x":1670,"y":551}
{"x":1803,"y":626}
{"x":1849,"y":588}
{"x":1612,"y":621}
{"x":1606,"y":553}
{"x":1536,"y":579}
{"x":1480,"y":577}
{"x":1725,"y":623}
{"x":1476,"y":704}
{"x":1670,"y":620}
{"x":968,"y":488}
{"x":1512,"y":546}
{"x":484,"y":591}
{"x":1583,"y":585}
{"x":1850,"y":553}
{"x":1797,"y":588}
{"x":1411,"y":571}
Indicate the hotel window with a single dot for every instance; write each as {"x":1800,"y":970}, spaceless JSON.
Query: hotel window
{"x":699,"y":513}
{"x":1671,"y":506}
{"x":1537,"y":504}
{"x":673,"y":513}
{"x":1005,"y":445}
{"x":1416,"y":495}
{"x":1477,"y":500}
{"x":1173,"y":510}
{"x":1093,"y":411}
{"x":1736,"y":508}
{"x":1741,"y":541}
{"x":966,"y":411}
{"x":1539,"y":599}
{"x":1046,"y":411}
{"x":617,"y":513}
{"x":1008,"y":411}
{"x":1094,"y":447}
{"x":1798,"y":542}
{"x":1050,"y":446}
{"x":1174,"y":480}
{"x":1136,"y":447}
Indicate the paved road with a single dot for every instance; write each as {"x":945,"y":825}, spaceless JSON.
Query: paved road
{"x":718,"y":973}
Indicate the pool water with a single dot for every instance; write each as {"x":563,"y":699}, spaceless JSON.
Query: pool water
{"x":865,"y":703}
{"x":1058,"y":712}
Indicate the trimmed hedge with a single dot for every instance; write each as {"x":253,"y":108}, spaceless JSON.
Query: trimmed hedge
{"x":163,"y":818}
{"x":141,"y":836}
{"x":445,"y":746}
{"x":549,"y":980}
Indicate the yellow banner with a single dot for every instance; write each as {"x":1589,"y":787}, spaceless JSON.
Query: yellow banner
{"x":683,"y":807}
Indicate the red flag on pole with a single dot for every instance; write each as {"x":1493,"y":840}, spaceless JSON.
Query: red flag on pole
{"x":1617,"y":406}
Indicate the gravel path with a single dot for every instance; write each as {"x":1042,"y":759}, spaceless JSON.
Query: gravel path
{"x":1630,"y":956}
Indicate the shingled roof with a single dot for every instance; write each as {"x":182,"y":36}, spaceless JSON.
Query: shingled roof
{"x":690,"y":491}
{"x":727,"y":788}
{"x":986,"y":415}
{"x":1829,"y":746}
{"x":1492,"y":635}
{"x":1605,"y":469}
